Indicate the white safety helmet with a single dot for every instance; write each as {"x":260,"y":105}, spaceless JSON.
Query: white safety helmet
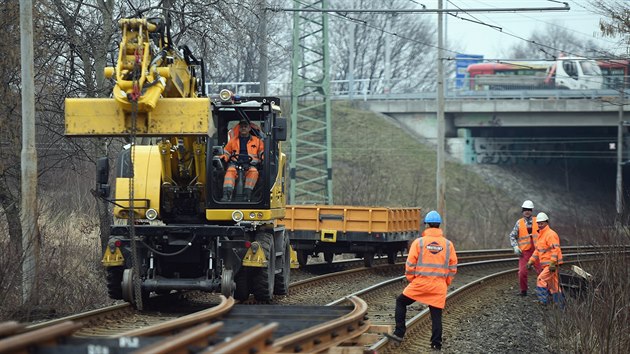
{"x":542,"y":217}
{"x":528,"y":204}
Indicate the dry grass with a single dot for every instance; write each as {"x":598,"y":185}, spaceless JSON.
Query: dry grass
{"x":598,"y":321}
{"x":70,"y":276}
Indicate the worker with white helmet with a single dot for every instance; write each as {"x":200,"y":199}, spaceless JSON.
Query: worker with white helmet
{"x":523,"y":239}
{"x":549,"y":254}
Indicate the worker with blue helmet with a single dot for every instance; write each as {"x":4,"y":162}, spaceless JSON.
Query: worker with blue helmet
{"x":430,"y":269}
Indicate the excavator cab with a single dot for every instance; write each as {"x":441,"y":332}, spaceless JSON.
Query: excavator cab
{"x":263,"y":115}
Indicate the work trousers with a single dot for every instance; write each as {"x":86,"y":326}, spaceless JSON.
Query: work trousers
{"x":251,"y":176}
{"x":547,"y":284}
{"x":402,"y":302}
{"x":522,"y":268}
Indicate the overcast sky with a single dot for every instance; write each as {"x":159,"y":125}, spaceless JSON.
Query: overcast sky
{"x":472,"y":38}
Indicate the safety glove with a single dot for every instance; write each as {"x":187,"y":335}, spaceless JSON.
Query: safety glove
{"x":530,"y":265}
{"x":552,"y":267}
{"x":517,"y":251}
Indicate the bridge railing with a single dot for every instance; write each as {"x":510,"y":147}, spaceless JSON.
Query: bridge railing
{"x":378,"y":89}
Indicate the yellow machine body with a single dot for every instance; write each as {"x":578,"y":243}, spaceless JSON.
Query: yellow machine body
{"x":146,"y":183}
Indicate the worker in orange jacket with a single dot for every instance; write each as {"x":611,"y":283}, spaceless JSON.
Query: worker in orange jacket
{"x":250,"y":150}
{"x":523,"y":239}
{"x":430,"y":268}
{"x":549,"y":253}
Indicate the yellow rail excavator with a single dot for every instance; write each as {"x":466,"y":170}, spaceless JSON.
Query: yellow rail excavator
{"x":178,"y":231}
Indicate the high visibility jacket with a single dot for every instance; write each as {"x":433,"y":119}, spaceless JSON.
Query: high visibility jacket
{"x":547,"y":248}
{"x":430,"y":268}
{"x":527,"y":239}
{"x":255,"y":148}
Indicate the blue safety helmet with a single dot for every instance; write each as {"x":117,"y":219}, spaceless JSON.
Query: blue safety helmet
{"x":433,"y":217}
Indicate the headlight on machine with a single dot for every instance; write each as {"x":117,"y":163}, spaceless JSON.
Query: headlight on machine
{"x":252,"y":215}
{"x":225,"y":95}
{"x":151,"y":214}
{"x":237,"y":215}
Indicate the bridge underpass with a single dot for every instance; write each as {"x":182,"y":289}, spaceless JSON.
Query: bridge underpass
{"x":509,"y":131}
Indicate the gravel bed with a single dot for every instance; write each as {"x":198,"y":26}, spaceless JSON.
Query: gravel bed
{"x":500,"y":322}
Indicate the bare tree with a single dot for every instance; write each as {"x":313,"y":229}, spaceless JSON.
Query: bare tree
{"x":409,"y":37}
{"x":550,"y":42}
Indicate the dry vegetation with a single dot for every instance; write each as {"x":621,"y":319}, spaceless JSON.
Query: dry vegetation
{"x":598,"y":321}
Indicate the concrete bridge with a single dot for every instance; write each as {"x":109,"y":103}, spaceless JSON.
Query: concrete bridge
{"x":513,"y":130}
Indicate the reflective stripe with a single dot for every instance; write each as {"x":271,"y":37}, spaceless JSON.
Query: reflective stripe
{"x":421,"y":264}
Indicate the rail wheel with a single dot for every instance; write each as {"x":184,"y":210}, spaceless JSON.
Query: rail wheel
{"x":114,"y":282}
{"x":263,"y":278}
{"x":368,"y":259}
{"x":328,"y":257}
{"x":302,"y":257}
{"x":227,"y":282}
{"x":128,"y":291}
{"x":281,"y":284}
{"x":241,"y":293}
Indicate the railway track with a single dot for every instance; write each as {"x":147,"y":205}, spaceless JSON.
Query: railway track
{"x":276,"y":328}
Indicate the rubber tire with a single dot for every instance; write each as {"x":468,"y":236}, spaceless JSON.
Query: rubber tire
{"x":241,"y":293}
{"x":302,"y":257}
{"x":114,"y":278}
{"x":281,"y":284}
{"x":262,"y":284}
{"x":328,"y":257}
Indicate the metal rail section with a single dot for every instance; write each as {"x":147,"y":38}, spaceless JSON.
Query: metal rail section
{"x":188,"y":321}
{"x":327,"y":335}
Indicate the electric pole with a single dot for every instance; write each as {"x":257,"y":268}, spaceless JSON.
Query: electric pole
{"x":440,"y":185}
{"x":28,"y":211}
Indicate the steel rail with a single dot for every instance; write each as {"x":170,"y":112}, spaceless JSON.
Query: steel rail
{"x":257,"y":339}
{"x":198,"y":336}
{"x":22,"y":343}
{"x":184,"y":322}
{"x":88,"y":316}
{"x":326,"y":335}
{"x":422,"y":319}
{"x":9,"y":328}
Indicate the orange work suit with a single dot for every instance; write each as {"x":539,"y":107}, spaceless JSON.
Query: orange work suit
{"x":547,"y":251}
{"x":255,"y":149}
{"x":430,"y":268}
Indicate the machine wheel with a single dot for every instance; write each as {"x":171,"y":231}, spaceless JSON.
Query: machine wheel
{"x":391,"y":256}
{"x":302,"y":257}
{"x":328,"y":257}
{"x":263,"y":278}
{"x":281,"y":284}
{"x":241,"y":293}
{"x":114,"y":282}
{"x":128,"y":293}
{"x":227,"y":282}
{"x":368,"y":259}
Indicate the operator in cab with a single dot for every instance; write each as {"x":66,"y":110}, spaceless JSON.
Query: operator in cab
{"x":246,"y":151}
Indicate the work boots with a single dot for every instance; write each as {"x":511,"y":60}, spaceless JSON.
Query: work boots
{"x":248,"y":195}
{"x":227,"y":195}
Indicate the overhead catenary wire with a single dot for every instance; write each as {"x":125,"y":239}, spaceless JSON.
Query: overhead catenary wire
{"x":342,"y":13}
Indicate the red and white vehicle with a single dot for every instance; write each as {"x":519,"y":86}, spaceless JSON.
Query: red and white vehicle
{"x":565,"y":73}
